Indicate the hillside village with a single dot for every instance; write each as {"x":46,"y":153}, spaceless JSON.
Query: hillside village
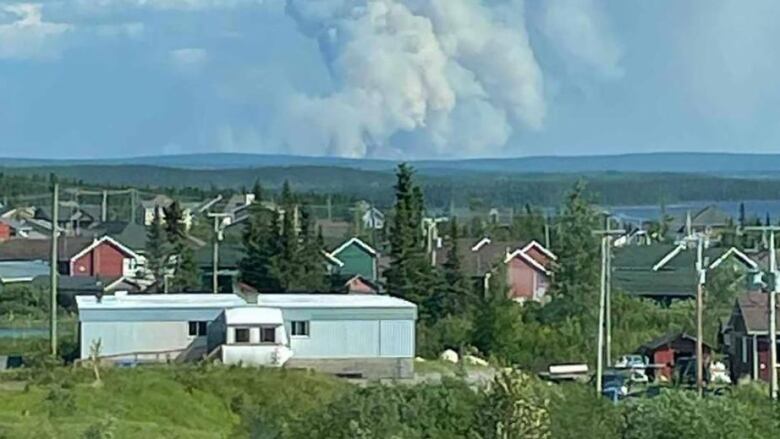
{"x":270,"y":253}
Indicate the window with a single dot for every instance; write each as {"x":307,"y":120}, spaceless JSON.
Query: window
{"x":300,"y":328}
{"x":242,"y":335}
{"x":744,"y":350}
{"x":267,"y":334}
{"x":197,"y":329}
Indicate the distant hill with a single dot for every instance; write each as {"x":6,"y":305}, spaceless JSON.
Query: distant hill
{"x":463,"y":187}
{"x":709,"y":163}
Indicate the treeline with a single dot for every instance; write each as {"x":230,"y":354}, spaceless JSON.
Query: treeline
{"x":462,"y":188}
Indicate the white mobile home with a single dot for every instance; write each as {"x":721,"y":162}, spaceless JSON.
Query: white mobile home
{"x":353,"y":335}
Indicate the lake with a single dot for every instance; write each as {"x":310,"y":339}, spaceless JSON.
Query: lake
{"x":753,"y":208}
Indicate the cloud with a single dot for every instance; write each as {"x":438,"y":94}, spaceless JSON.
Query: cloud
{"x":443,"y":75}
{"x":579,"y":32}
{"x":188,"y":60}
{"x":28,"y":36}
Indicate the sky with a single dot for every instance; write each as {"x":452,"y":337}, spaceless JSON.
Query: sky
{"x":387,"y":78}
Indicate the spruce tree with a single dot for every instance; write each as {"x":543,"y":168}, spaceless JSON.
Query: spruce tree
{"x":286,"y":266}
{"x":156,"y":253}
{"x":575,"y":286}
{"x":260,"y":241}
{"x":174,"y":229}
{"x":458,"y":297}
{"x":186,"y":275}
{"x":257,"y":190}
{"x":311,"y":264}
{"x":410,"y":275}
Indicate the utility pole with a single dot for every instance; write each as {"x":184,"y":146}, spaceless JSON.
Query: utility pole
{"x":608,"y":294}
{"x":606,"y":235}
{"x":701,"y":274}
{"x":104,"y":207}
{"x":133,"y":201}
{"x":547,"y":231}
{"x":701,"y":279}
{"x":330,"y":209}
{"x":55,"y":201}
{"x":218,"y":235}
{"x":772,"y":307}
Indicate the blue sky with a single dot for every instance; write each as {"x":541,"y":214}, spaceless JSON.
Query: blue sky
{"x":387,"y":78}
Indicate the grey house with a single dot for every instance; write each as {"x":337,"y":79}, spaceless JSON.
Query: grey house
{"x":369,"y":336}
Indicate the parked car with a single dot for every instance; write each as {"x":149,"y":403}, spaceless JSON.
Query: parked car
{"x":614,"y":384}
{"x":631,"y":362}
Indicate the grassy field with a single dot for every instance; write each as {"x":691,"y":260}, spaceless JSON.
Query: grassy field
{"x":157,"y":401}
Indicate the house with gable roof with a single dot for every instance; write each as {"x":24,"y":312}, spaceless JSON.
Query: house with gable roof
{"x":528,"y":265}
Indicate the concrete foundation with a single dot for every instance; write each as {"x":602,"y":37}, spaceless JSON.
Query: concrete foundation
{"x":369,"y":368}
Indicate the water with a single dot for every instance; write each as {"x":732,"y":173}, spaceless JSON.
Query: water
{"x":753,"y":209}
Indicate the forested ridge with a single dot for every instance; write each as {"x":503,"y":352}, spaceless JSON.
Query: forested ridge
{"x":440,"y":188}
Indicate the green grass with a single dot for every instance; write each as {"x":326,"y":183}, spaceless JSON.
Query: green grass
{"x":156,"y":401}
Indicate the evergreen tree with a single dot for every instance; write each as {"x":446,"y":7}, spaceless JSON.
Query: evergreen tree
{"x":257,"y":190}
{"x":156,"y":253}
{"x":186,"y":275}
{"x":286,"y":263}
{"x":311,"y":263}
{"x":174,"y":229}
{"x":260,"y":240}
{"x":409,"y":274}
{"x":458,"y":296}
{"x":575,"y":286}
{"x":529,"y":226}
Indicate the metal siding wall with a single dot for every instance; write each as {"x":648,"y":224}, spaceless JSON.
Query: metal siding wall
{"x":349,"y":314}
{"x":397,"y":338}
{"x":338,"y":339}
{"x":127,"y":337}
{"x":149,"y":315}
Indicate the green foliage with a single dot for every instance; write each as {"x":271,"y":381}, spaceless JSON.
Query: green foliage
{"x":515,"y":406}
{"x":187,"y":274}
{"x":156,"y":252}
{"x":574,"y":291}
{"x":261,"y":245}
{"x":283,"y":256}
{"x":529,"y":226}
{"x":410,"y":275}
{"x":423,"y":411}
{"x":24,"y":301}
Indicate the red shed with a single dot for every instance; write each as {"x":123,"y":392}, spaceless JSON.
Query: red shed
{"x":104,"y":257}
{"x":668,"y":349}
{"x":5,"y":231}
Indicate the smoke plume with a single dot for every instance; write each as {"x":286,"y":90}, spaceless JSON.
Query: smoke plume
{"x":432,"y":77}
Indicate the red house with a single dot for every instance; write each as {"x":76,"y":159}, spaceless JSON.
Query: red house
{"x":5,"y":231}
{"x":746,"y":337}
{"x":528,"y":273}
{"x":104,"y":257}
{"x":528,"y":265}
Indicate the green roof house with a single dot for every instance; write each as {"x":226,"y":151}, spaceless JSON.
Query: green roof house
{"x":667,"y":272}
{"x":357,"y":258}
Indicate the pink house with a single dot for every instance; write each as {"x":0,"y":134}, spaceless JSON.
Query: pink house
{"x":528,"y":272}
{"x":528,"y":265}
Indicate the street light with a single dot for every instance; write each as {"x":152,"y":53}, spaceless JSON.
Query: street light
{"x":220,"y":222}
{"x":431,"y":229}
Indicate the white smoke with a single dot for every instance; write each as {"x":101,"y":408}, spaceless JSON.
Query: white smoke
{"x":437,"y":77}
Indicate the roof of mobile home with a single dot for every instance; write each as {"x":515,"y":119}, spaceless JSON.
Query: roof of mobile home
{"x":157,"y":301}
{"x":333,"y":301}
